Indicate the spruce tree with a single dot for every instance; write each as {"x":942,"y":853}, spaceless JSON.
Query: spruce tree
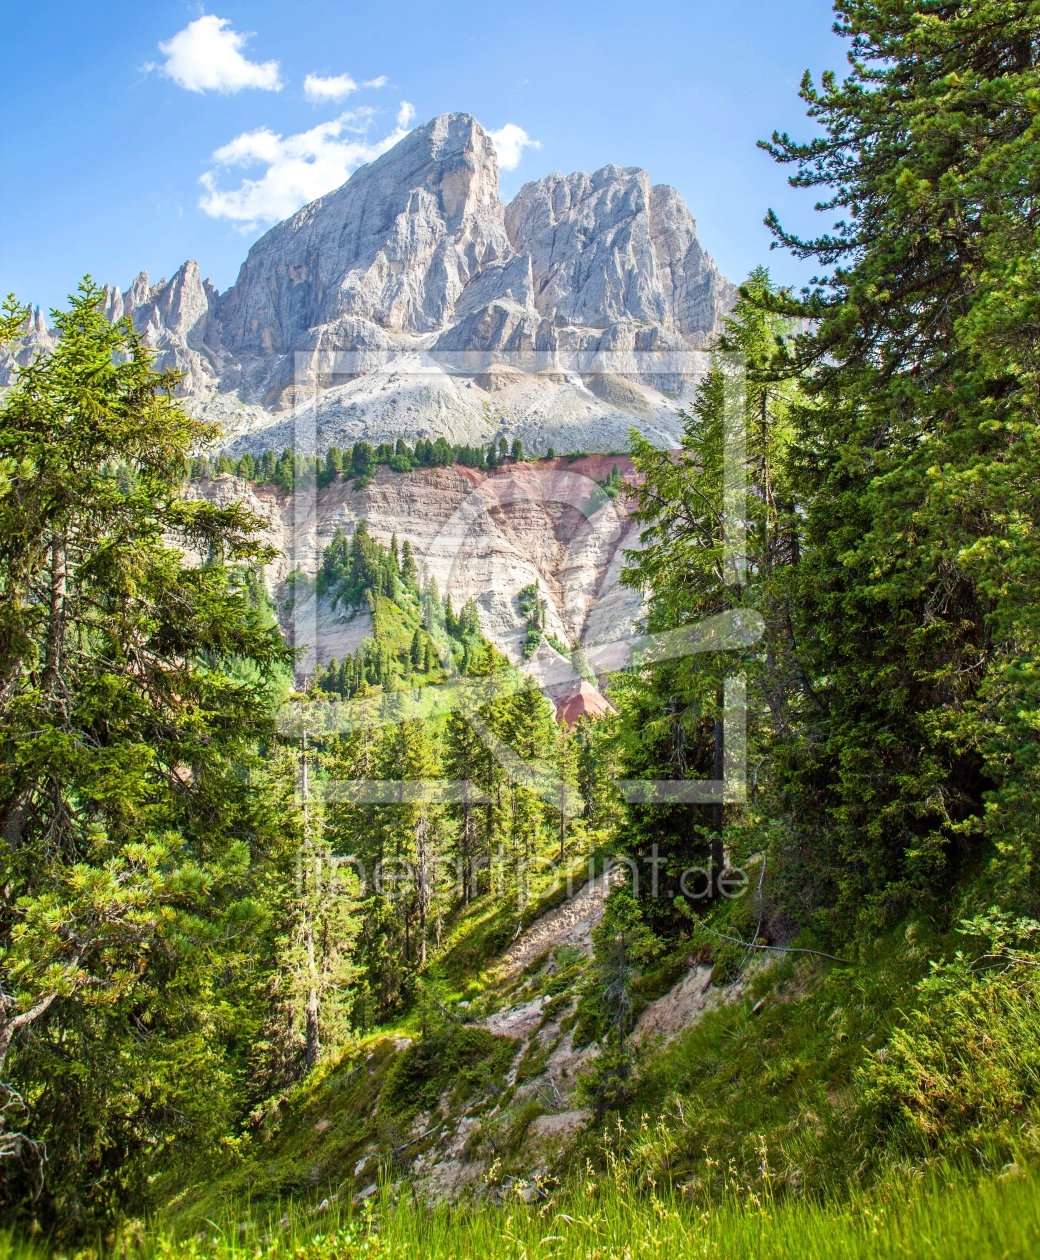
{"x":673,"y":711}
{"x":416,"y":835}
{"x":145,"y":838}
{"x":918,"y":468}
{"x":467,"y":759}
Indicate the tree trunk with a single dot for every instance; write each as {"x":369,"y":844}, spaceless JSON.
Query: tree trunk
{"x":16,"y":816}
{"x":467,"y":823}
{"x":422,"y":861}
{"x":55,"y":620}
{"x":9,"y":1026}
{"x":313,"y":1005}
{"x":718,"y":855}
{"x":15,"y":819}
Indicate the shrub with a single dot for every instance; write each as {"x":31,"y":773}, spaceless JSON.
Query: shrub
{"x":465,"y":1059}
{"x":964,"y":1066}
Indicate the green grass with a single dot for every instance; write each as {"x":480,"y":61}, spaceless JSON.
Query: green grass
{"x":745,"y":1137}
{"x":957,"y":1218}
{"x":14,"y":1248}
{"x":305,"y":1139}
{"x":465,"y":1061}
{"x":771,"y":1080}
{"x":307,"y":1142}
{"x":760,"y":1102}
{"x":760,"y":1093}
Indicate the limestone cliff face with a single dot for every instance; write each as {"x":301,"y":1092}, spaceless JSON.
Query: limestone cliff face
{"x":395,"y":246}
{"x":608,"y":249}
{"x":418,"y":242}
{"x":175,"y":319}
{"x":379,"y":310}
{"x":37,"y":339}
{"x":376,"y":311}
{"x":695,"y":292}
{"x":372,"y":265}
{"x":480,"y":536}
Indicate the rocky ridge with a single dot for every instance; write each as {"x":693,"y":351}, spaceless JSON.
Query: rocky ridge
{"x":410,"y":302}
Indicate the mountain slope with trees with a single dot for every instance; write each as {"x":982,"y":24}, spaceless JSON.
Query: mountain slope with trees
{"x":862,"y":1051}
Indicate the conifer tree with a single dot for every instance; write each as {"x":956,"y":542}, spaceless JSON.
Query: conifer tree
{"x":673,"y":727}
{"x":414,"y":831}
{"x":918,"y":462}
{"x":467,"y":759}
{"x":319,"y":954}
{"x":565,"y":764}
{"x":409,"y":573}
{"x":145,"y":841}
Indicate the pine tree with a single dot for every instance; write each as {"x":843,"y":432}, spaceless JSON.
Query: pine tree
{"x":565,"y":763}
{"x":408,"y":754}
{"x":467,"y":759}
{"x":525,"y":723}
{"x":319,"y":958}
{"x":918,"y":466}
{"x":409,"y":573}
{"x":146,"y":840}
{"x":595,"y":746}
{"x":673,"y":720}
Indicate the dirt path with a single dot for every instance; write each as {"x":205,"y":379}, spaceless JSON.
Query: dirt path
{"x":569,"y":924}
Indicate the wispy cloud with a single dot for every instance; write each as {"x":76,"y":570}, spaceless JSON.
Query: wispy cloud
{"x":336,"y":87}
{"x":206,"y":57}
{"x":299,"y":167}
{"x":510,"y":142}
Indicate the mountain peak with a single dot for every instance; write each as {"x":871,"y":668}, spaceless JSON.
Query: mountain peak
{"x":393,"y":247}
{"x":416,"y":252}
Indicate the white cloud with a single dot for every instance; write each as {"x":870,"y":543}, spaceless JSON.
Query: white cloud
{"x":510,"y":142}
{"x":337,"y":87}
{"x":299,"y":167}
{"x":207,"y":57}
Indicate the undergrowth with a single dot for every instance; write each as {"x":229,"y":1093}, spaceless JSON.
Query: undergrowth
{"x":956,"y":1217}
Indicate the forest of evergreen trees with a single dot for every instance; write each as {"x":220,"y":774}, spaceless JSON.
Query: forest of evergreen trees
{"x":360,"y":462}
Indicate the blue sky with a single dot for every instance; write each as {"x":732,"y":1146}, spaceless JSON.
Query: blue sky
{"x":108,"y":141}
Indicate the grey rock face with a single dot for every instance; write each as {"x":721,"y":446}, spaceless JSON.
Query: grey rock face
{"x":175,"y":319}
{"x":396,"y":245}
{"x":590,"y":282}
{"x":694,"y":291}
{"x":36,"y":340}
{"x":416,"y":252}
{"x":609,"y":249}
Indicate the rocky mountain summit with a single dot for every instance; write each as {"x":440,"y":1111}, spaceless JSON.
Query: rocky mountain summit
{"x":410,"y":302}
{"x":37,"y":339}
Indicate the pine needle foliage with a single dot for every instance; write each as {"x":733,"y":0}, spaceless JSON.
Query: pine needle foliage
{"x":143,"y":833}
